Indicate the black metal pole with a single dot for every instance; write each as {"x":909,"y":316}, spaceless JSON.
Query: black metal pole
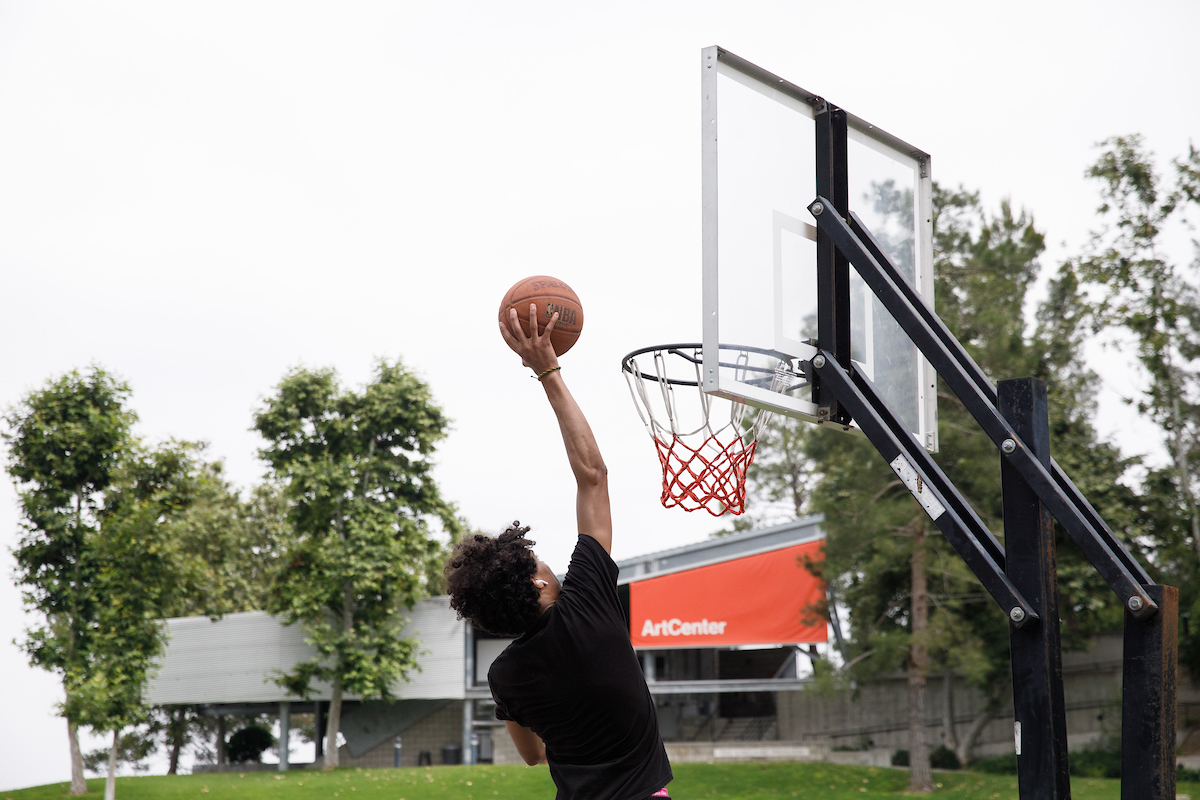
{"x":1148,"y":688}
{"x":833,"y":268}
{"x":1039,"y":711}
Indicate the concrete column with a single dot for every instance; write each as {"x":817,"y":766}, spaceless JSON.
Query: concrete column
{"x":285,"y":723}
{"x":468,"y":714}
{"x":221,"y":758}
{"x":468,"y":730}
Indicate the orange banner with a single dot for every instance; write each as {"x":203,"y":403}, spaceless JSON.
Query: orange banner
{"x":759,"y":599}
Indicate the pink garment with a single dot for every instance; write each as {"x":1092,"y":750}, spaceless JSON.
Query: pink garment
{"x":661,"y":793}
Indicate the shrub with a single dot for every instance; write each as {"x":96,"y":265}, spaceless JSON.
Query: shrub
{"x":944,"y":758}
{"x":861,"y":742}
{"x":248,"y":744}
{"x":1095,"y":763}
{"x":1005,"y":764}
{"x":1182,"y":773}
{"x":941,"y":758}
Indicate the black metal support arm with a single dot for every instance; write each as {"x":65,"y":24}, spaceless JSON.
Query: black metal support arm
{"x":918,"y":455}
{"x":983,"y":408}
{"x":966,"y":533}
{"x":981,"y":380}
{"x":833,"y":269}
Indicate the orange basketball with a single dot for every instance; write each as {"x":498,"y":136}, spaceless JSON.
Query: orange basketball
{"x":549,"y":295}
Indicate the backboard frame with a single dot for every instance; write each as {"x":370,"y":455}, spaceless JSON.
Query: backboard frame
{"x":835,"y":130}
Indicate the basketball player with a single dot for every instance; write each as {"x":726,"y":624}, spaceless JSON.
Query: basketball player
{"x":569,"y":688}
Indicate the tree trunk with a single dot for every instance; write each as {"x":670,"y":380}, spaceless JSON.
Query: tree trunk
{"x":221,"y":743}
{"x":177,"y":730}
{"x":78,"y":784}
{"x":836,"y":623}
{"x":948,"y":710}
{"x":920,"y":778}
{"x":977,"y":725}
{"x":335,"y":702}
{"x":333,"y":723}
{"x":110,"y":783}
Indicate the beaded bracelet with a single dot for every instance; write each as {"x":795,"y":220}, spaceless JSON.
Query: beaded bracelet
{"x":542,"y":375}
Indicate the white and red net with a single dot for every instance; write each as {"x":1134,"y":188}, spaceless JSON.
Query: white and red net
{"x":707,"y":446}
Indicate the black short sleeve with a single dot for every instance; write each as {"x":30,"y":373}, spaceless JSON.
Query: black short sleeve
{"x":575,"y":681}
{"x":501,"y":710}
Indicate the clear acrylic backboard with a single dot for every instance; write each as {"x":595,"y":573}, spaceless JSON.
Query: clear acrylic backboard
{"x":759,"y":244}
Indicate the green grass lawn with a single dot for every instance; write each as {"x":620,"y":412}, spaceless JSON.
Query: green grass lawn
{"x":814,"y":781}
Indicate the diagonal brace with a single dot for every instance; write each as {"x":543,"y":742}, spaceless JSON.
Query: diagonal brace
{"x":983,"y":409}
{"x":966,"y":533}
{"x":955,"y":348}
{"x":918,"y":455}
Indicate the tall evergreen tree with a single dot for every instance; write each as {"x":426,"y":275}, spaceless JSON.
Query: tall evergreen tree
{"x":356,"y":471}
{"x":912,"y":602}
{"x":1139,"y":289}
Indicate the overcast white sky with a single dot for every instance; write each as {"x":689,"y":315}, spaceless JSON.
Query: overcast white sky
{"x":199,"y":196}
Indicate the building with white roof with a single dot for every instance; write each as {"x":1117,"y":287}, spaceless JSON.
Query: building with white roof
{"x":443,"y":709}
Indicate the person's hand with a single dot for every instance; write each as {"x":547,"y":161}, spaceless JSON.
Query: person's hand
{"x":535,"y":350}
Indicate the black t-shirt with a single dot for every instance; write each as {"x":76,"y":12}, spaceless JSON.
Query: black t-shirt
{"x":574,"y":680}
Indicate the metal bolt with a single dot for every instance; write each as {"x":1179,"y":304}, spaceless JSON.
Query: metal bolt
{"x":818,"y":209}
{"x":1135,"y":604}
{"x":1017,"y":614}
{"x":1008,"y":446}
{"x":819,"y":361}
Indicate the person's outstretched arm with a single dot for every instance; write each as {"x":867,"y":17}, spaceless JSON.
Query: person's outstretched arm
{"x":591,"y":476}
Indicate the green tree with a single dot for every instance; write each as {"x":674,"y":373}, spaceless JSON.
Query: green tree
{"x":134,"y":748}
{"x":64,"y":443}
{"x":1140,"y":290}
{"x":235,"y":543}
{"x":912,"y":603}
{"x":356,"y":471}
{"x":139,"y":574}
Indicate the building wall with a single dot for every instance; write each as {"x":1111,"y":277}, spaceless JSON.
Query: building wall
{"x":231,"y":660}
{"x":431,"y":734}
{"x":237,"y":658}
{"x":876,"y":715}
{"x":503,"y":749}
{"x":873,"y":719}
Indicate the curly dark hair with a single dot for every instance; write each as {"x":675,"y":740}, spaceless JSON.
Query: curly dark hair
{"x":489,"y":579}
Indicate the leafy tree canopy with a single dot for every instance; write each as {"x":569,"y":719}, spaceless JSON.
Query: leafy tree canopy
{"x":356,"y":475}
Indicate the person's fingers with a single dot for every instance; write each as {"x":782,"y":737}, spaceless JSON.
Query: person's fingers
{"x":508,"y":337}
{"x":550,"y":324}
{"x":533,"y":326}
{"x":515,"y":324}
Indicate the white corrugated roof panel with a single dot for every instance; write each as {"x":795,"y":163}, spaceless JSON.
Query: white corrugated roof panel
{"x":236,"y":658}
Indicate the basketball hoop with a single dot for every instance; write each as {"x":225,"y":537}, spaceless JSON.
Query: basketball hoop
{"x":705,"y":458}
